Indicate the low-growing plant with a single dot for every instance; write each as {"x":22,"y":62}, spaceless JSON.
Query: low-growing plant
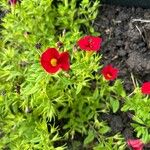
{"x":52,"y":84}
{"x":32,"y":101}
{"x":111,"y":143}
{"x":138,"y":104}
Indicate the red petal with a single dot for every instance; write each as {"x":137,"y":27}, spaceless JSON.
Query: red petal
{"x":84,"y":43}
{"x":64,"y":61}
{"x":139,"y":148}
{"x":96,"y":45}
{"x":109,"y":70}
{"x":135,"y":144}
{"x":90,"y":43}
{"x":49,"y":68}
{"x":46,"y":57}
{"x":49,"y":54}
{"x":145,"y":88}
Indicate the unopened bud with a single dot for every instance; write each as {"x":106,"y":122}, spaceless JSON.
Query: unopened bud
{"x":75,"y":48}
{"x":67,"y":75}
{"x":27,"y":110}
{"x":59,"y":44}
{"x":38,"y":45}
{"x":12,"y":2}
{"x":26,"y":34}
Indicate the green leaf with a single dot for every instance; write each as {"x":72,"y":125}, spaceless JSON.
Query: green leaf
{"x":114,"y":104}
{"x":118,"y":88}
{"x":104,"y":129}
{"x":146,"y":136}
{"x":85,"y":1}
{"x":125,"y":108}
{"x":89,"y":138}
{"x":30,"y":89}
{"x":139,"y":120}
{"x":79,"y":88}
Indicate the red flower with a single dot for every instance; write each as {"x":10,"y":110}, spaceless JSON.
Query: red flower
{"x":52,"y":61}
{"x":135,"y":144}
{"x":109,"y":72}
{"x":12,"y":2}
{"x":90,"y":43}
{"x":145,"y":88}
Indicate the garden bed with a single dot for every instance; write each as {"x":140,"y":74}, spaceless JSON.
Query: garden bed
{"x":126,"y":36}
{"x":86,"y":107}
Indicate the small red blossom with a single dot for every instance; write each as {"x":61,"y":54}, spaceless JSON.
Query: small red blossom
{"x":12,"y":2}
{"x":52,"y":60}
{"x":145,"y":89}
{"x":136,"y":144}
{"x":109,"y":72}
{"x":90,"y":43}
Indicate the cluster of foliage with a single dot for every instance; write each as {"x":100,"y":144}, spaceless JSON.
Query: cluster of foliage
{"x":41,"y":107}
{"x":138,"y":104}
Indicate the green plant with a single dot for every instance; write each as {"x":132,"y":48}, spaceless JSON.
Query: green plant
{"x":36,"y":106}
{"x":112,"y":143}
{"x":138,"y":104}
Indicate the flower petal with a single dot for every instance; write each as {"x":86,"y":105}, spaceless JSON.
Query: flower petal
{"x":109,"y":72}
{"x":49,"y":68}
{"x":46,"y":57}
{"x":49,"y":54}
{"x":64,"y":61}
{"x":90,"y":43}
{"x":84,"y":43}
{"x":96,"y":45}
{"x":136,"y":144}
{"x":145,"y":89}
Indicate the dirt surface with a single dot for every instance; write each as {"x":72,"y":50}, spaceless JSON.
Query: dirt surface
{"x":126,"y":41}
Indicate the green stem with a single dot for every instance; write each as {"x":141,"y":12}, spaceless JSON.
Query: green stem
{"x":66,"y":3}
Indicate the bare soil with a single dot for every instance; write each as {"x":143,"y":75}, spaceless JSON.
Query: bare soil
{"x":126,"y":41}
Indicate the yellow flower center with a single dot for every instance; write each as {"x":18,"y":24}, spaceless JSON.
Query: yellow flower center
{"x":109,"y":75}
{"x":53,"y":62}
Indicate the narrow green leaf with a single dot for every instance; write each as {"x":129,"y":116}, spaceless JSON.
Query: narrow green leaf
{"x":79,"y":88}
{"x":89,"y":138}
{"x":114,"y":104}
{"x":104,"y":129}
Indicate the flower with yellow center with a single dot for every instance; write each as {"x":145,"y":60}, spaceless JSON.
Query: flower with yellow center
{"x":109,"y":72}
{"x":52,"y":61}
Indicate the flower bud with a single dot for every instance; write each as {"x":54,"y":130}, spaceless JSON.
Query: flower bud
{"x":12,"y":2}
{"x":59,"y":44}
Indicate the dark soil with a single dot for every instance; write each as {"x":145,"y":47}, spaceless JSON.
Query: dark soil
{"x":126,"y":45}
{"x":119,"y":123}
{"x":126,"y":41}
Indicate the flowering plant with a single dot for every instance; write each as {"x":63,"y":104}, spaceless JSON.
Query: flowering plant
{"x":53,"y":87}
{"x":55,"y":75}
{"x":109,"y":72}
{"x":138,"y":103}
{"x":52,"y":61}
{"x":45,"y":82}
{"x":90,"y":43}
